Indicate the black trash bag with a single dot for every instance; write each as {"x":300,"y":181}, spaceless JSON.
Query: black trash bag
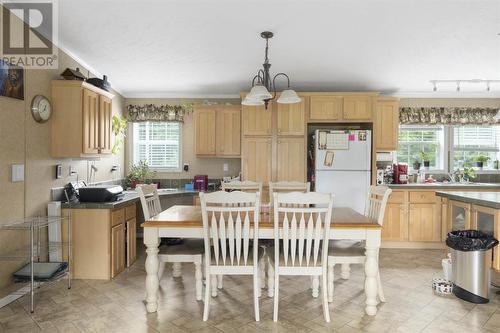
{"x":470,"y":240}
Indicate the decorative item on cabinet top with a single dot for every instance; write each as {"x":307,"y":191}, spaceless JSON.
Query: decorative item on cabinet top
{"x":73,"y":74}
{"x":152,"y":112}
{"x":100,"y":83}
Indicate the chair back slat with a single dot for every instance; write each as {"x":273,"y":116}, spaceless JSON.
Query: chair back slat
{"x":228,"y":234}
{"x":150,"y":201}
{"x":376,"y":202}
{"x":291,"y":211}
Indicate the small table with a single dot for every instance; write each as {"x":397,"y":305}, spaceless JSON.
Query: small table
{"x":186,"y":222}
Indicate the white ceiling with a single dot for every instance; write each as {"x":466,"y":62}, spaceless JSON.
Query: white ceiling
{"x":212,"y":48}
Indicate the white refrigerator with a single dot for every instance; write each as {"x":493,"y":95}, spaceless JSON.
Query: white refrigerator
{"x":343,"y":166}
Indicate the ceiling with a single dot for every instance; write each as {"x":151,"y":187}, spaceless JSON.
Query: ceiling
{"x":212,"y":48}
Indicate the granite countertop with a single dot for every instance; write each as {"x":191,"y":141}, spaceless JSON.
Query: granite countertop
{"x":486,"y":199}
{"x":440,"y":185}
{"x":129,"y":197}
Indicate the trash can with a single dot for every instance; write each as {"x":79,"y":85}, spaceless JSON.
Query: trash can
{"x":471,"y":263}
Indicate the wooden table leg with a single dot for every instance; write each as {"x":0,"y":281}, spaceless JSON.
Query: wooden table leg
{"x":371,"y":271}
{"x":151,"y":240}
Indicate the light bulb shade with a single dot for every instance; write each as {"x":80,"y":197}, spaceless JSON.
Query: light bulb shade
{"x":259,"y":92}
{"x":251,"y":102}
{"x":289,"y":96}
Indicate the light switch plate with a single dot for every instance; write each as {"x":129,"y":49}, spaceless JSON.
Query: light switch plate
{"x":17,"y":173}
{"x":225,"y":167}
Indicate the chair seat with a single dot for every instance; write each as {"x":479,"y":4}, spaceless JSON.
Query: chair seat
{"x":189,"y":246}
{"x":341,"y":248}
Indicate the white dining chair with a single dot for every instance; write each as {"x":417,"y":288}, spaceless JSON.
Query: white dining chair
{"x":245,"y":186}
{"x":303,"y":221}
{"x":275,"y":187}
{"x":230,"y":223}
{"x":346,"y":253}
{"x":189,"y":251}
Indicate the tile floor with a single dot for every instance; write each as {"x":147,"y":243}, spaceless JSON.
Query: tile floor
{"x":117,"y":306}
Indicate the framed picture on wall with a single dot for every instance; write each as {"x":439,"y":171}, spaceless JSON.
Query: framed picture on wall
{"x":11,"y":81}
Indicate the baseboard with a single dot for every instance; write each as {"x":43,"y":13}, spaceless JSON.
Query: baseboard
{"x":412,"y":245}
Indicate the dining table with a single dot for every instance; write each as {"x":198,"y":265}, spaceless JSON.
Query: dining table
{"x":186,"y":222}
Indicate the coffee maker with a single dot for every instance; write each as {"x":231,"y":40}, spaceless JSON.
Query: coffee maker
{"x":400,"y":173}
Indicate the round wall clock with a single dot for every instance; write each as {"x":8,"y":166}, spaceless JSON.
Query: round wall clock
{"x":41,"y":108}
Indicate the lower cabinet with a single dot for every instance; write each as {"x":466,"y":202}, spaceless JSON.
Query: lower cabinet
{"x":394,"y":222}
{"x":424,"y":222}
{"x":104,"y":241}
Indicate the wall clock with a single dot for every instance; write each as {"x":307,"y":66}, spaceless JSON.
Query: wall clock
{"x":41,"y":108}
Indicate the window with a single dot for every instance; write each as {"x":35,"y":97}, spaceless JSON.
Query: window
{"x":415,"y":139}
{"x":472,"y":141}
{"x":158,"y":143}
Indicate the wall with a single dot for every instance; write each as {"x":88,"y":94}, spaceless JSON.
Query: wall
{"x":24,"y":141}
{"x":213,"y":167}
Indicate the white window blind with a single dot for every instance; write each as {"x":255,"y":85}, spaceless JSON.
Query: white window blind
{"x":158,"y":143}
{"x":472,"y":141}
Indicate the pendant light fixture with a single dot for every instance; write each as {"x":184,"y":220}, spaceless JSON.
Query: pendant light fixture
{"x":264,"y":88}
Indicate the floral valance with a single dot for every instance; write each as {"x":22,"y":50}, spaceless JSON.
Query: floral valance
{"x":448,"y":116}
{"x":152,"y":112}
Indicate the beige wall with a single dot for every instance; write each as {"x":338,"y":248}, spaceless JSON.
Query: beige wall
{"x":213,"y":167}
{"x":24,"y":141}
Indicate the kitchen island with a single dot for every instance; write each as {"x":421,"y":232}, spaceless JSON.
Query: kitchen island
{"x":478,"y":211}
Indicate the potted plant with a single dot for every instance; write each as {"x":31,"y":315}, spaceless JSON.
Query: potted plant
{"x":424,"y":156}
{"x":466,"y":174}
{"x":480,"y":160}
{"x":139,"y":174}
{"x":416,"y":165}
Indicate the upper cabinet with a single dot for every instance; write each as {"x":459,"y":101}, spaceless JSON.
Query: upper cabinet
{"x":81,"y":121}
{"x":217,"y":130}
{"x":386,"y":124}
{"x":325,"y":108}
{"x":291,"y":159}
{"x":291,"y":118}
{"x":257,"y":120}
{"x":228,"y":129}
{"x":357,"y":108}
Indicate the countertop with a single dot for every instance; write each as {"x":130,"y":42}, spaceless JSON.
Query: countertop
{"x":486,"y":199}
{"x":129,"y":197}
{"x":443,"y":186}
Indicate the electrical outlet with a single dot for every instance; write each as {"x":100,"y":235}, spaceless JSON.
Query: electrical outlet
{"x":225,"y":167}
{"x":72,"y":170}
{"x":186,"y":167}
{"x":17,"y":173}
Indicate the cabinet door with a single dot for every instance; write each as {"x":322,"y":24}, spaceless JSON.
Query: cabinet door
{"x":229,"y":132}
{"x":205,"y":131}
{"x":117,"y":249}
{"x":291,"y":118}
{"x":324,"y":108}
{"x":394,"y":219}
{"x":256,"y":120}
{"x":425,"y":222}
{"x":105,"y":114}
{"x":131,"y":241}
{"x":291,"y":159}
{"x":90,"y":122}
{"x":357,"y":108}
{"x":256,"y":159}
{"x":386,"y":124}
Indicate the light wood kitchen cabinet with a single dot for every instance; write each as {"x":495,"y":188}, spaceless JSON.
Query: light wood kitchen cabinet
{"x":357,"y":108}
{"x":257,"y":120}
{"x":117,"y":249}
{"x":104,"y":241}
{"x":256,"y":159}
{"x":204,"y":123}
{"x":81,"y":120}
{"x":228,"y":129}
{"x":291,"y":159}
{"x":291,"y":118}
{"x":459,"y":215}
{"x":424,"y":222}
{"x":386,"y":125}
{"x":394,"y":222}
{"x":325,"y":108}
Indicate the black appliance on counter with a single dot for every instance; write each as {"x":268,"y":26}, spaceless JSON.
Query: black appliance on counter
{"x":101,"y":193}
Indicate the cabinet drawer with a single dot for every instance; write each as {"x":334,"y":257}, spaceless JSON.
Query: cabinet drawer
{"x":423,"y":197}
{"x":130,"y":212}
{"x":117,"y":216}
{"x":397,"y":197}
